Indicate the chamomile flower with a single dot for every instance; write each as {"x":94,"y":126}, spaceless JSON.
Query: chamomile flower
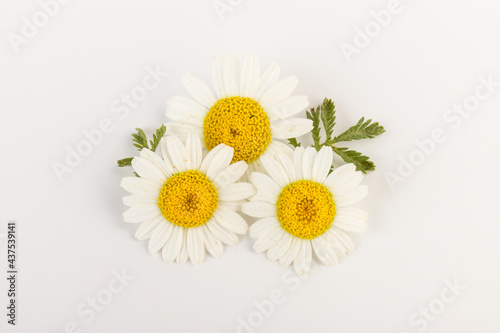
{"x":303,"y":209}
{"x":248,"y":112}
{"x":186,"y":203}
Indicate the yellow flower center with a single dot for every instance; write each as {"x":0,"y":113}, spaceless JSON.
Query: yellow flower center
{"x":240,"y":123}
{"x":188,"y":199}
{"x":305,"y":209}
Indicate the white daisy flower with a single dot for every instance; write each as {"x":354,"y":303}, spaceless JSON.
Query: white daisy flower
{"x":186,"y":203}
{"x":303,"y":208}
{"x":248,"y":112}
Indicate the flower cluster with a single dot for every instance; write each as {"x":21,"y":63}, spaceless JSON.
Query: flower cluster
{"x":222,"y":154}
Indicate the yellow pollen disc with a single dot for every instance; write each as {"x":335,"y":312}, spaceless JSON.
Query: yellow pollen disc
{"x":305,"y":209}
{"x":188,"y":199}
{"x":240,"y":123}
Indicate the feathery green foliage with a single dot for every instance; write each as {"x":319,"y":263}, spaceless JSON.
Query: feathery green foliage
{"x":314,"y":115}
{"x":328,"y":117}
{"x":125,"y":162}
{"x":157,"y":137}
{"x":140,"y":141}
{"x":362,"y":130}
{"x":361,"y":161}
{"x":293,"y":142}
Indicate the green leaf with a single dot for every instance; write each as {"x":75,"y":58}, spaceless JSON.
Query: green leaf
{"x":328,"y":117}
{"x":157,"y":137}
{"x":362,"y":130}
{"x":314,"y":115}
{"x":125,"y":162}
{"x":293,"y":142}
{"x":361,"y":161}
{"x":140,"y":139}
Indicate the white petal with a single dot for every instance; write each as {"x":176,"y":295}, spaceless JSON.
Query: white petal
{"x":322,"y":164}
{"x":220,"y":161}
{"x":340,"y":176}
{"x":186,"y":110}
{"x":307,"y":163}
{"x":159,"y":236}
{"x":288,"y":166}
{"x":136,"y":199}
{"x":275,"y":170}
{"x":145,"y":230}
{"x":171,"y":250}
{"x":292,"y":252}
{"x":148,"y":170}
{"x":257,"y":166}
{"x":287,"y":107}
{"x":335,"y":243}
{"x":213,"y":245}
{"x":278,"y":147}
{"x":231,"y":75}
{"x":278,"y":92}
{"x":183,"y":256}
{"x":268,"y":79}
{"x":259,"y":209}
{"x":217,"y":76}
{"x":249,"y":77}
{"x":351,"y":219}
{"x":157,"y":161}
{"x":291,"y":128}
{"x":267,"y":188}
{"x":141,"y":186}
{"x":181,"y":130}
{"x":268,"y":240}
{"x":236,"y":191}
{"x":219,"y":232}
{"x":207,"y":160}
{"x":260,"y":227}
{"x":348,"y":184}
{"x":297,"y":161}
{"x":350,"y":198}
{"x":281,"y":247}
{"x":177,"y":153}
{"x":231,"y":220}
{"x":325,"y":251}
{"x":230,"y":174}
{"x":166,"y":158}
{"x":344,"y":239}
{"x":141,"y":213}
{"x":235,"y":206}
{"x":193,"y":152}
{"x":302,"y":263}
{"x":246,"y":175}
{"x":195,"y":245}
{"x":199,"y":90}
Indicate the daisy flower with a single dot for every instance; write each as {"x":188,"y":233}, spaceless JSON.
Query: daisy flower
{"x":249,"y":111}
{"x":303,"y":208}
{"x":186,"y":203}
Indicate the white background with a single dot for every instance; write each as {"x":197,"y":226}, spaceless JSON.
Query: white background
{"x":440,"y":223}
